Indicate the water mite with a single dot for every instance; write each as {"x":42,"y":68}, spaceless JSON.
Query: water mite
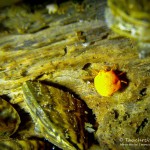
{"x":107,"y":82}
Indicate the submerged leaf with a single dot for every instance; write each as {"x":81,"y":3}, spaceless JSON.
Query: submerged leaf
{"x":9,"y":119}
{"x":58,"y":115}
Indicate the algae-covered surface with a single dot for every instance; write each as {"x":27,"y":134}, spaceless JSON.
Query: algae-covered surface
{"x":67,"y":49}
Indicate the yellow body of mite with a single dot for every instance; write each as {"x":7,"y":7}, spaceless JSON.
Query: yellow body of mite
{"x":107,"y":82}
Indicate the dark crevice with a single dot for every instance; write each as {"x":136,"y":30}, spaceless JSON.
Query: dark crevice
{"x":143,"y":92}
{"x":65,"y":51}
{"x":141,"y":127}
{"x":116,"y":114}
{"x":5,"y":97}
{"x":86,"y":66}
{"x":126,"y":116}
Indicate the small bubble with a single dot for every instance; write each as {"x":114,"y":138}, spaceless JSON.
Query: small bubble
{"x":121,"y":139}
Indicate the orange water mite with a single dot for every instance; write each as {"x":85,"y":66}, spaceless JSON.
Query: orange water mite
{"x":107,"y":82}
